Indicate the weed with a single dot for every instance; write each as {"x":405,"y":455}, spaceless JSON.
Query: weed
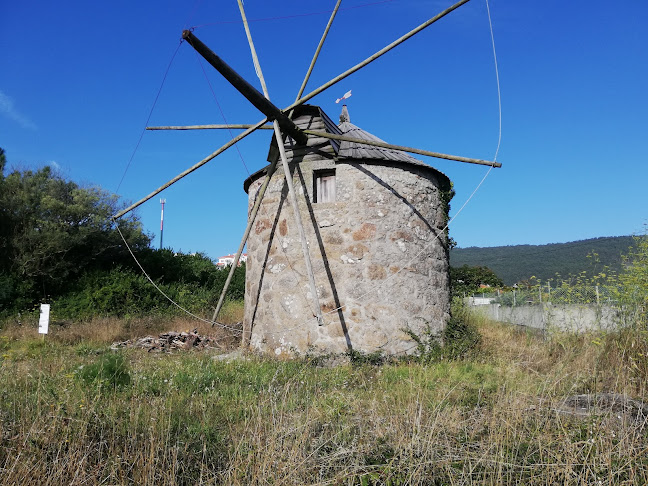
{"x":359,"y":358}
{"x":459,"y":338}
{"x":109,"y":371}
{"x":185,"y":418}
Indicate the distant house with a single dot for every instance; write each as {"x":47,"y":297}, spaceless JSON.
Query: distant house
{"x":227,"y":260}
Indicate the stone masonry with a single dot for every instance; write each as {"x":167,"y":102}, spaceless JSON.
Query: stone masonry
{"x":379,"y":256}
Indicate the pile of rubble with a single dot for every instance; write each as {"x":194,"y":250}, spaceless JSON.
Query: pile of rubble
{"x":170,"y":341}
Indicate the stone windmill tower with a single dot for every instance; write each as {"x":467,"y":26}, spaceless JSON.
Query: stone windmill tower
{"x":374,"y":219}
{"x":347,"y":246}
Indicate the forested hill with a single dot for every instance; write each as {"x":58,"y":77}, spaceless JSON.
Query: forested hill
{"x":519,"y":262}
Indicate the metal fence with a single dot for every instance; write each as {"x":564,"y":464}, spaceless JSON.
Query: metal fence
{"x":542,"y":294}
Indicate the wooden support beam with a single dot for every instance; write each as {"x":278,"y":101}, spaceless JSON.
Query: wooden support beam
{"x":237,"y":126}
{"x":402,"y":148}
{"x":246,"y":89}
{"x":190,"y":169}
{"x":378,"y":54}
{"x":317,"y":51}
{"x":288,"y":175}
{"x":251,"y":219}
{"x":271,"y":170}
{"x":296,"y":103}
{"x":346,"y":138}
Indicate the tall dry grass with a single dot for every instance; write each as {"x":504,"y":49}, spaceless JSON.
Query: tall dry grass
{"x":106,"y":330}
{"x":497,"y":417}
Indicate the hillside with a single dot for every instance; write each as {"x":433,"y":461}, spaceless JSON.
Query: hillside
{"x":519,"y":262}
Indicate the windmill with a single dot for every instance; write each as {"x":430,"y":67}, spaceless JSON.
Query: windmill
{"x":302,"y":133}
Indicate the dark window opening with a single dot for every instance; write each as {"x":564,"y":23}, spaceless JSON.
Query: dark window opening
{"x":324,"y":186}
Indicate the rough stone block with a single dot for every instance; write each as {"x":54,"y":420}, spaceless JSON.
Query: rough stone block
{"x":366,"y":232}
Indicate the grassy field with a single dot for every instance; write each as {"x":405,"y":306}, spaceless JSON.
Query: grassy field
{"x":74,"y":412}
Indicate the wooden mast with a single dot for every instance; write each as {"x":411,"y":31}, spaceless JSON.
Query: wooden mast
{"x":288,"y":175}
{"x":300,"y":101}
{"x":264,"y":186}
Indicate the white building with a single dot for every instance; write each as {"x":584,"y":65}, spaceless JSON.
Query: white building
{"x":227,"y":260}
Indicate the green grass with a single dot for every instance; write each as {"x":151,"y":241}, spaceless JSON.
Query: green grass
{"x":69,"y":415}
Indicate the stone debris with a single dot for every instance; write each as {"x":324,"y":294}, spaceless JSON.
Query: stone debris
{"x":170,"y":341}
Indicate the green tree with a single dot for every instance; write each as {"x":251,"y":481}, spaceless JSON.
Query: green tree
{"x":467,"y":280}
{"x":53,"y":230}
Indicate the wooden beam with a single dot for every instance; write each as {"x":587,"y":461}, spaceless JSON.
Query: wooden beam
{"x":288,"y":175}
{"x":378,"y":54}
{"x":251,"y":218}
{"x":402,"y":148}
{"x":271,"y":170}
{"x":190,"y":169}
{"x":298,"y":102}
{"x":317,"y":51}
{"x":211,"y":127}
{"x":246,"y":89}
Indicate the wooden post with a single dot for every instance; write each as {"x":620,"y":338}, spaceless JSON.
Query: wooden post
{"x":251,"y":219}
{"x":271,"y":169}
{"x":288,"y":175}
{"x":402,"y":148}
{"x":235,"y":126}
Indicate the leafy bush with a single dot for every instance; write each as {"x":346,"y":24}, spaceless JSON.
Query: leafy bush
{"x":359,"y":358}
{"x":459,"y":338}
{"x":467,"y":280}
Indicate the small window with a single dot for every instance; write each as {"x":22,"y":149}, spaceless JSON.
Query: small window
{"x":324,"y":190}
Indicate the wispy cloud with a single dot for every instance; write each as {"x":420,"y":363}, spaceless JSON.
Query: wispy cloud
{"x":54,"y":164}
{"x":8,"y":109}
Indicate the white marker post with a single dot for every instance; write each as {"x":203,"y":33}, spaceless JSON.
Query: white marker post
{"x":43,"y":321}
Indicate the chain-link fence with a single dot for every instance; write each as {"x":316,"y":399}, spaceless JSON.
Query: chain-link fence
{"x":564,"y":294}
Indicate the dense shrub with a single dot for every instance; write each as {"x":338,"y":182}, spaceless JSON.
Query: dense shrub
{"x":58,"y":244}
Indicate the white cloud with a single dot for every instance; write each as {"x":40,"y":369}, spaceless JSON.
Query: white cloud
{"x":7,"y":109}
{"x":54,"y":164}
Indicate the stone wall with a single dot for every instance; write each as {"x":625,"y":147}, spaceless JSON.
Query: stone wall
{"x":562,"y":317}
{"x":375,"y":253}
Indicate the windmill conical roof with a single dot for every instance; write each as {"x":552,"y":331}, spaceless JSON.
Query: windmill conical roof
{"x":355,"y":150}
{"x":347,"y":151}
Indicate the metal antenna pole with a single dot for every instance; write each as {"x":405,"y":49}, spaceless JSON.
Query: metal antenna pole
{"x":162,"y":202}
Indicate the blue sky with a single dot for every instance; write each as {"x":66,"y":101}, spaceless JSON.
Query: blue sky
{"x":79,"y":80}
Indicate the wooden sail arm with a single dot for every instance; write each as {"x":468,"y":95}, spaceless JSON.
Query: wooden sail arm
{"x":346,"y":138}
{"x":263,"y":104}
{"x":402,"y":148}
{"x":300,"y":101}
